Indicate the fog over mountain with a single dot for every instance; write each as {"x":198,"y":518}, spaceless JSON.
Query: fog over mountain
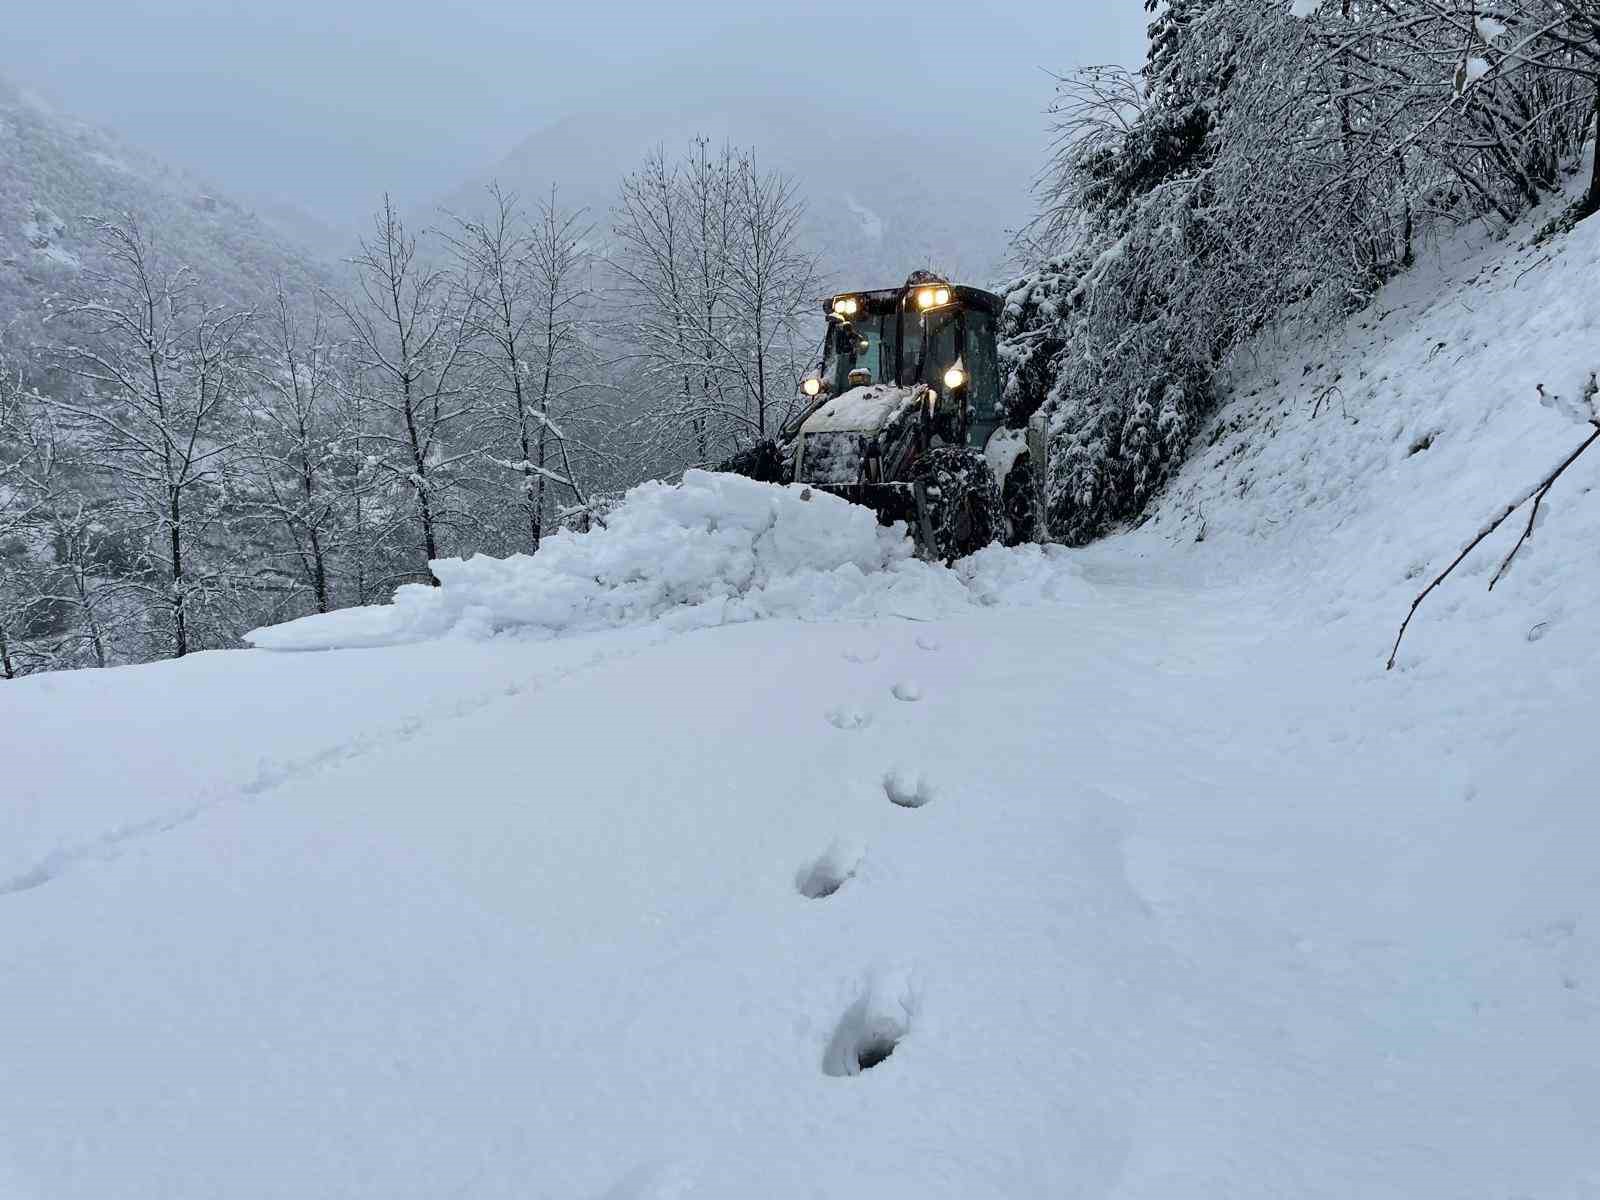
{"x":905,"y":121}
{"x":57,"y":173}
{"x":885,"y":195}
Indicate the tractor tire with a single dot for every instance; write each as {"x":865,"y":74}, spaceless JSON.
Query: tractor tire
{"x":1019,"y":501}
{"x":958,"y":503}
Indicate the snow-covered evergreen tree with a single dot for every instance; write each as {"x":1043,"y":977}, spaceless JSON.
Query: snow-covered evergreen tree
{"x":1110,"y":335}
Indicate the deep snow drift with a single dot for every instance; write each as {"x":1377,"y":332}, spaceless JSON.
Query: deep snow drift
{"x":713,"y":550}
{"x":1125,"y":873}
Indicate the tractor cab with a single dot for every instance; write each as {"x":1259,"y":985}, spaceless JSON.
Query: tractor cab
{"x":927,"y":332}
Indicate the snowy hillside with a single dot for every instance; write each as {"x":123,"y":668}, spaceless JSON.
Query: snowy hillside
{"x":1354,"y":465}
{"x":57,"y":172}
{"x":775,"y":863}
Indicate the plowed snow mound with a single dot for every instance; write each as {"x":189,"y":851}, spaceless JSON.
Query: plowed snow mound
{"x":712,"y":550}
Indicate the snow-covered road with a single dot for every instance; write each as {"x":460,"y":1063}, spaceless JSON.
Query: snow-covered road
{"x":1193,"y":903}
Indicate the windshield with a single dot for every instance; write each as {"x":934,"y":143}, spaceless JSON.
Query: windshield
{"x":865,"y":344}
{"x":930,"y":346}
{"x":908,"y":348}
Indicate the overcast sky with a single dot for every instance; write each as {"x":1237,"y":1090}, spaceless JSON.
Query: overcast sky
{"x":327,"y":103}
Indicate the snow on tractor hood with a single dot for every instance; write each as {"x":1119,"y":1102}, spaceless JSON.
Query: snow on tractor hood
{"x":862,"y":410}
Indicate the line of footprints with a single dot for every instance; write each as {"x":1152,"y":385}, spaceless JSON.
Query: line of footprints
{"x":869,"y":1031}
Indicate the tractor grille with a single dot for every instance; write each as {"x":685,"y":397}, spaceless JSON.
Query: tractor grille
{"x":832,"y":458}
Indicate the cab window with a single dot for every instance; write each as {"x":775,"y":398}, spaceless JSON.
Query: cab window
{"x":983,"y":369}
{"x":864,"y":344}
{"x":932,"y":343}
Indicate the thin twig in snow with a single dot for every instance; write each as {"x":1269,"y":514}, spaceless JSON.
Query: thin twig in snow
{"x":1537,"y":494}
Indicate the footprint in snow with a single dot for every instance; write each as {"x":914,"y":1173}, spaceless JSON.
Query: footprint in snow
{"x":907,"y":788}
{"x":847,"y":718}
{"x":872,"y":1027}
{"x":927,"y":641}
{"x":861,"y":654}
{"x":907,"y":690}
{"x":824,"y":876}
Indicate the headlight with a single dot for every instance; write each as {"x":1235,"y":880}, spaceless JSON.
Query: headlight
{"x":942,"y":296}
{"x":925,"y":298}
{"x":955,"y":377}
{"x":847,"y":306}
{"x":812,"y":386}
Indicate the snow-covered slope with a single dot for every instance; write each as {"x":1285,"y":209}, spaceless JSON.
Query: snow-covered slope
{"x":56,"y":173}
{"x":1147,"y":875}
{"x":1354,"y":466}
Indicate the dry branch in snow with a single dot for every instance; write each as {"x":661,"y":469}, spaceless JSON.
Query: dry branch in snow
{"x":1536,"y":494}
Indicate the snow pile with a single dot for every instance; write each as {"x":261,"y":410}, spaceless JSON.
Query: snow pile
{"x":1025,"y":575}
{"x":713,"y":550}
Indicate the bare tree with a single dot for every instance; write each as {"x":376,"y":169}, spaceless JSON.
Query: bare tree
{"x":531,"y":347}
{"x":707,"y":196}
{"x":86,"y":585}
{"x":716,"y":283}
{"x":27,"y":470}
{"x":292,"y":442}
{"x":773,"y":282}
{"x":651,"y":264}
{"x":411,"y":325}
{"x":161,"y":374}
{"x":371,"y":557}
{"x":59,"y":583}
{"x":567,"y":390}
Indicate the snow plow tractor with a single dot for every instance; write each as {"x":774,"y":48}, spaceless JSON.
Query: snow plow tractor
{"x":904,"y":416}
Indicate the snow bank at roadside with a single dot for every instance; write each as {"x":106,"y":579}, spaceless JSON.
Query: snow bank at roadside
{"x":712,"y":550}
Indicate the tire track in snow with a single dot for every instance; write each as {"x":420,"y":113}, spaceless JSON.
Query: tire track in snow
{"x":271,"y":775}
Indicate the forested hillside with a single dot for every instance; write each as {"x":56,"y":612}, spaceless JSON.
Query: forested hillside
{"x":1270,"y":162}
{"x":57,"y":175}
{"x":200,"y":433}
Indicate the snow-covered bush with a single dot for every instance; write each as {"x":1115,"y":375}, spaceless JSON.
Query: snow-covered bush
{"x":1120,"y":411}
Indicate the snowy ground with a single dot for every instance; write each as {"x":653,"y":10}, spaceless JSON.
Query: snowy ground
{"x":1155,"y":881}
